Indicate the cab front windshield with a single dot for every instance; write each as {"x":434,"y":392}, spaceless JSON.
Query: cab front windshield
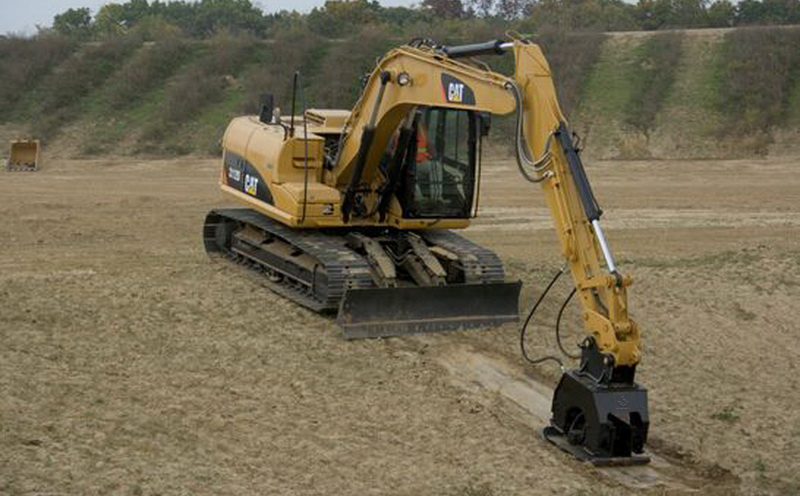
{"x":439,"y":177}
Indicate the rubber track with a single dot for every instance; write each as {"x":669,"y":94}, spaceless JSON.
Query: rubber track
{"x":344,"y":267}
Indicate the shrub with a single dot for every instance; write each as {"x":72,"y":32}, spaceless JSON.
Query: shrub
{"x":346,"y":63}
{"x":571,"y":58}
{"x":295,"y":50}
{"x":146,"y":70}
{"x":756,"y":72}
{"x":205,"y":81}
{"x":656,"y":65}
{"x":24,"y":61}
{"x":86,"y":70}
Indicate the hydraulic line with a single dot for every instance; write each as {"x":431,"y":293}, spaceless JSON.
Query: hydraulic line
{"x":523,"y":331}
{"x":558,"y":325}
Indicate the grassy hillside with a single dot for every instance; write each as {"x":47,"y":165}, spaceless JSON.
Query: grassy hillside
{"x":680,"y":94}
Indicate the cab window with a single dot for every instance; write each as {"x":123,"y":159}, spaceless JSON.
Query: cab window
{"x":440,"y":165}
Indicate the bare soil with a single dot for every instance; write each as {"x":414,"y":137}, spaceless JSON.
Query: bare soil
{"x":132,"y":364}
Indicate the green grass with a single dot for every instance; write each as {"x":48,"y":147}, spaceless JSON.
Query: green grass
{"x":655,"y":66}
{"x":203,"y":134}
{"x":611,"y":84}
{"x":607,"y":92}
{"x":727,"y":415}
{"x":200,"y":131}
{"x":686,"y":126}
{"x":793,"y":104}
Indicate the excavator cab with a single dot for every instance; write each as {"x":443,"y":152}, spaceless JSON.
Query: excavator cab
{"x":441,"y":164}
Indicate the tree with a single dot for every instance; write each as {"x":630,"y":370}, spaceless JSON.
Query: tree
{"x":510,"y":9}
{"x":721,"y":14}
{"x":448,"y":9}
{"x":604,"y":15}
{"x":339,"y":18}
{"x":110,"y":19}
{"x":482,"y":7}
{"x":688,"y":14}
{"x":211,"y":16}
{"x":768,"y":12}
{"x":75,"y":23}
{"x":400,"y":16}
{"x":653,"y":14}
{"x":135,"y":11}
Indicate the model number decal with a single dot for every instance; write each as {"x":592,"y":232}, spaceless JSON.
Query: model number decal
{"x":250,"y":184}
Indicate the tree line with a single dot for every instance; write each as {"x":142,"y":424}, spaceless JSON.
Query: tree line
{"x":339,"y":18}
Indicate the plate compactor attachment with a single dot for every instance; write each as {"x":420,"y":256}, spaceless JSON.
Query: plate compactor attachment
{"x":599,"y":412}
{"x":23,"y":156}
{"x":382,"y":312}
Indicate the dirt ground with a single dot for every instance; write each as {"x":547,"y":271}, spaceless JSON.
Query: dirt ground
{"x":131,"y":364}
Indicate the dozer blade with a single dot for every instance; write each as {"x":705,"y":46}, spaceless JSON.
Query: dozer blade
{"x":381,"y":312}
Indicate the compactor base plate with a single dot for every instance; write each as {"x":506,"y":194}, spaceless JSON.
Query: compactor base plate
{"x":555,"y":436}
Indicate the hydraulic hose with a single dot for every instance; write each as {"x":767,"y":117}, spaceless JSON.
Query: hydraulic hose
{"x":558,"y":325}
{"x":523,"y":331}
{"x":524,"y":160}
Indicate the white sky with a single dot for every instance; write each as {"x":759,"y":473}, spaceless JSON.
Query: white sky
{"x":22,"y":17}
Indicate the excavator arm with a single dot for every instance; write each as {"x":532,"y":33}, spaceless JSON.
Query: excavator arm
{"x":599,"y":411}
{"x":575,"y":211}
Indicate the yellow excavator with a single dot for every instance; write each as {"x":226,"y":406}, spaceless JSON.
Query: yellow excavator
{"x":354,"y":211}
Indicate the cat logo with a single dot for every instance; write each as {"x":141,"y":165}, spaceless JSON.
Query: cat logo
{"x":250,"y":184}
{"x":455,"y":92}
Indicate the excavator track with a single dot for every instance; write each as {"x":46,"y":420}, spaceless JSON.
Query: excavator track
{"x":319,"y":271}
{"x":336,"y":268}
